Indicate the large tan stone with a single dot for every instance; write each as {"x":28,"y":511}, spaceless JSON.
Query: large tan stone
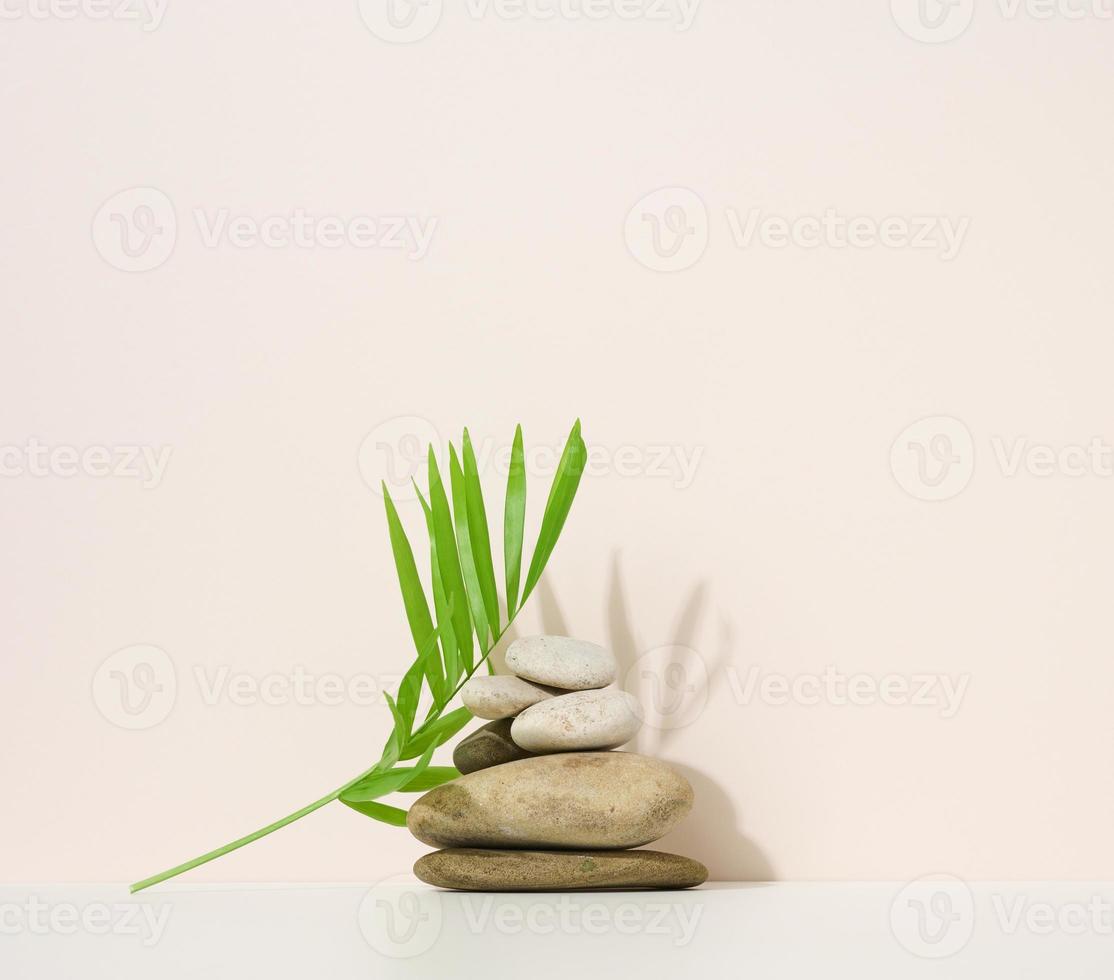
{"x":598,"y":800}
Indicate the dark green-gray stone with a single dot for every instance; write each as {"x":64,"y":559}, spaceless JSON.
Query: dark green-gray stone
{"x":488,"y":746}
{"x":477,"y":869}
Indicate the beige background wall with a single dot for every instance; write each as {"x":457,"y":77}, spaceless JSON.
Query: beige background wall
{"x":890,"y":645}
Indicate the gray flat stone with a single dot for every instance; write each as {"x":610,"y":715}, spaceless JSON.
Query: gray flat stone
{"x":572,"y":800}
{"x":488,"y":746}
{"x":475,"y":869}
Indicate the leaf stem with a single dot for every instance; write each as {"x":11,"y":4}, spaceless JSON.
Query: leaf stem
{"x":236,"y":844}
{"x":304,"y":811}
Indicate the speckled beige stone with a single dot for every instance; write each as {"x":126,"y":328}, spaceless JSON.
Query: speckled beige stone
{"x":577,"y":722}
{"x":502,"y":696}
{"x":473,"y":869}
{"x":597,"y":800}
{"x":561,"y":661}
{"x":488,"y":746}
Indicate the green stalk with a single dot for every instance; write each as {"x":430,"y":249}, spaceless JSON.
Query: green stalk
{"x":304,"y":811}
{"x":262,"y":832}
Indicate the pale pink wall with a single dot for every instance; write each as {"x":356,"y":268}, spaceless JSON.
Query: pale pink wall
{"x":800,"y":543}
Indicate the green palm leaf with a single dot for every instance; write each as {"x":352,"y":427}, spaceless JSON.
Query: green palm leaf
{"x":433,"y":776}
{"x":561,"y":494}
{"x":437,"y":732}
{"x":448,"y":562}
{"x":380,"y":811}
{"x":443,"y":607}
{"x":463,"y":589}
{"x":413,"y":596}
{"x":464,"y":542}
{"x":426,"y":667}
{"x":381,"y":783}
{"x":478,"y":535}
{"x":514,"y":519}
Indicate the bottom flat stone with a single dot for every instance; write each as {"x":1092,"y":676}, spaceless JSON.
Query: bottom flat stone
{"x":479,"y":869}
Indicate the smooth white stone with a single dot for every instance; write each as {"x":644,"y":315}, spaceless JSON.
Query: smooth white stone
{"x":561,"y":661}
{"x":581,"y":721}
{"x":501,"y":696}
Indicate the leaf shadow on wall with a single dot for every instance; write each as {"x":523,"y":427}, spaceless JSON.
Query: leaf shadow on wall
{"x":711,"y":832}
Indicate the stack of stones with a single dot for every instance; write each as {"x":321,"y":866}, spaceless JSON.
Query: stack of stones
{"x":543,"y":803}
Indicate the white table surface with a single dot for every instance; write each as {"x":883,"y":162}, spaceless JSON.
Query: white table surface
{"x":932,"y":927}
